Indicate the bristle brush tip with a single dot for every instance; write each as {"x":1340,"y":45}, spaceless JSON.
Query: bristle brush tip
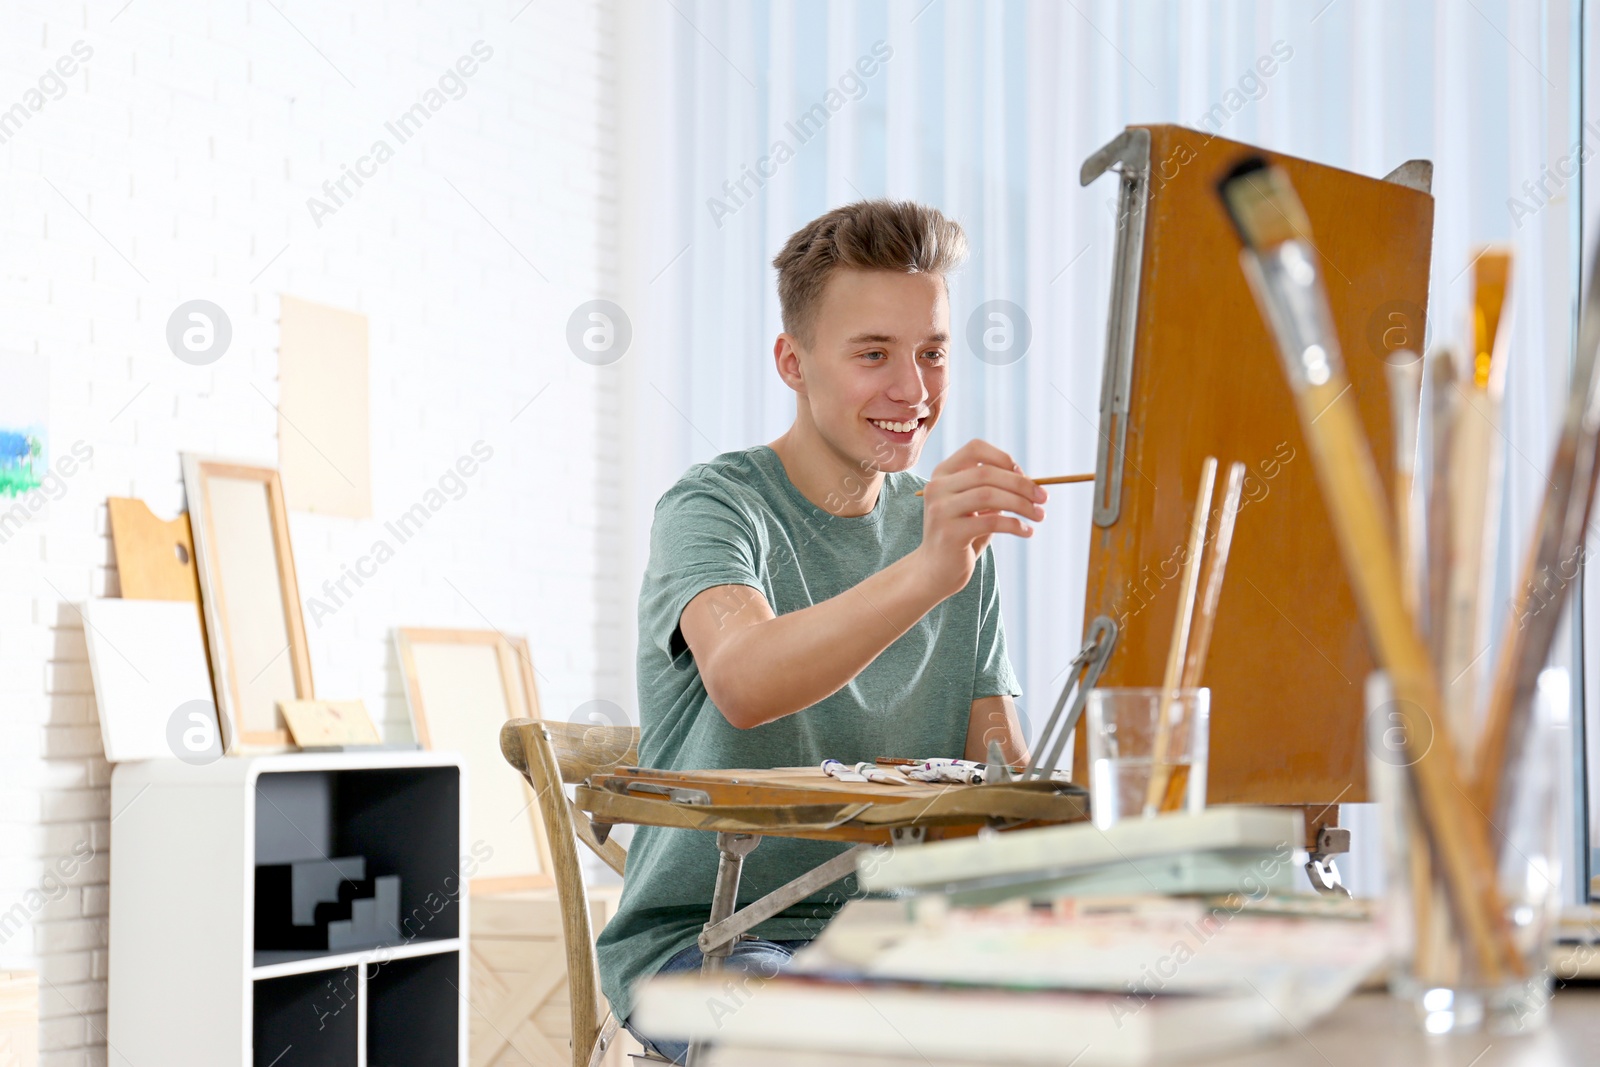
{"x":1261,"y":203}
{"x":1245,"y":169}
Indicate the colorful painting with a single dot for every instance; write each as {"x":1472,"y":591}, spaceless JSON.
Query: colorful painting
{"x":24,"y":401}
{"x":22,"y":461}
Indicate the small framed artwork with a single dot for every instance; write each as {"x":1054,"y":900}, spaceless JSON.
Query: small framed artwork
{"x":462,"y":685}
{"x":251,"y":598}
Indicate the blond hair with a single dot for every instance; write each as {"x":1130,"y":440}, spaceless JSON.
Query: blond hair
{"x":897,"y":235}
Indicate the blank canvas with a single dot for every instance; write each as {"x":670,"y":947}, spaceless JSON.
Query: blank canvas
{"x":253,"y":627}
{"x":462,"y":693}
{"x":324,"y":449}
{"x":258,"y":630}
{"x":147,"y":659}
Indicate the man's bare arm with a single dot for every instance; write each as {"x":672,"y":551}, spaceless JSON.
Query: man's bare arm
{"x":758,"y":667}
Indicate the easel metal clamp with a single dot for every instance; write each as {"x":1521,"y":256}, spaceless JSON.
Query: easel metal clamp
{"x":1129,"y":153}
{"x":1082,"y":674}
{"x":1320,"y":866}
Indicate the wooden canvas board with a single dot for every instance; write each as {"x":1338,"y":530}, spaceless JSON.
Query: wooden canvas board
{"x":324,"y":439}
{"x":315,"y":723}
{"x":251,"y":598}
{"x":462,"y":685}
{"x":147,"y":659}
{"x":1289,"y":656}
{"x":155,"y":557}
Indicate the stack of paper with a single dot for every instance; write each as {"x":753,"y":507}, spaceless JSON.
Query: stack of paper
{"x":1141,"y":981}
{"x":1576,"y":952}
{"x":1154,"y":940}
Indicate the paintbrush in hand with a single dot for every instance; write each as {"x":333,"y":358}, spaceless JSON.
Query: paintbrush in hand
{"x":1058,"y":479}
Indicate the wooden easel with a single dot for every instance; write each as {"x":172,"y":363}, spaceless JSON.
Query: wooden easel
{"x":1190,"y":372}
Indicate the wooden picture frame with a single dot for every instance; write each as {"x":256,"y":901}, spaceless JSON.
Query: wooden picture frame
{"x":250,"y":596}
{"x":461,"y":686}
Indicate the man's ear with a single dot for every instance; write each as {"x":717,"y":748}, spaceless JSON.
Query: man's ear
{"x":786,"y":355}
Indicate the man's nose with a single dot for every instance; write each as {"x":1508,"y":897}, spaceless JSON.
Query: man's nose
{"x":908,"y":385}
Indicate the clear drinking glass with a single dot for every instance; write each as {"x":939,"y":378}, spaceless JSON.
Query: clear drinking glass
{"x":1122,"y":729}
{"x":1434,"y":971}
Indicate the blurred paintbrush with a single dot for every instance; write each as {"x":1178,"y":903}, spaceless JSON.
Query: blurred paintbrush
{"x":1473,"y":485}
{"x":1280,"y":262}
{"x":1188,"y":584}
{"x":1205,"y":622}
{"x":1554,"y":554}
{"x":1443,"y":404}
{"x":1404,"y":370}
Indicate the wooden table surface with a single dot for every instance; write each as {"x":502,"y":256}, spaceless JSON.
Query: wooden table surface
{"x":1368,"y":1030}
{"x":804,"y":802}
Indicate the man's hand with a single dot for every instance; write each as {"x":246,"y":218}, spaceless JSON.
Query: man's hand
{"x":964,"y":504}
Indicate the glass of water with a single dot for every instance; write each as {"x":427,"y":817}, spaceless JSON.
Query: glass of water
{"x":1122,"y":730}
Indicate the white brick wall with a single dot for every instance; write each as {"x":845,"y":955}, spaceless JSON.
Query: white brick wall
{"x":189,"y":142}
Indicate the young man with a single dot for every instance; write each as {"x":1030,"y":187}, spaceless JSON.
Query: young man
{"x":801,"y":602}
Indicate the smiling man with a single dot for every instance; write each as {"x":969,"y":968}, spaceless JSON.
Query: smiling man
{"x":802,"y":602}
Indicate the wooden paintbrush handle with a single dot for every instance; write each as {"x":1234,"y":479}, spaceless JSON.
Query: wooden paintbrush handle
{"x":1355,"y":503}
{"x":1160,"y":769}
{"x":1055,"y":479}
{"x":1194,"y":663}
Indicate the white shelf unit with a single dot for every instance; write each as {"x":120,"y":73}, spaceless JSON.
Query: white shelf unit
{"x":188,"y":988}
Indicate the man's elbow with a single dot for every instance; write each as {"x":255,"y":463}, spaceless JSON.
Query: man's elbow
{"x":739,"y":708}
{"x":741,"y":715}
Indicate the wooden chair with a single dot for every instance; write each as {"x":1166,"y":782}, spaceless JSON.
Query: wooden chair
{"x":550,"y":754}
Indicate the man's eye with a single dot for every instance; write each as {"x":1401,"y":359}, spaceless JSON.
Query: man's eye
{"x":935,"y":355}
{"x":876,"y":355}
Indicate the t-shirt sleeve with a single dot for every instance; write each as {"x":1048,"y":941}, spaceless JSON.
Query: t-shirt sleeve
{"x":993,"y":676}
{"x":698,"y":540}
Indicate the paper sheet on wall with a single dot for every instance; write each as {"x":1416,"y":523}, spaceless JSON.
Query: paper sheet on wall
{"x":324,"y":449}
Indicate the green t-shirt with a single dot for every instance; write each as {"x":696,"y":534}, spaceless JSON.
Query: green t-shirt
{"x":738,"y":520}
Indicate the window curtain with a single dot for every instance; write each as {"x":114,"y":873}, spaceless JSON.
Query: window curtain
{"x":742,"y":121}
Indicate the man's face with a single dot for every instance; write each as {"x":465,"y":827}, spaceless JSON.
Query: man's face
{"x":876,"y":372}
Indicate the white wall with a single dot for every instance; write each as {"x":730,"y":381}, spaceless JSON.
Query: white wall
{"x":176,"y":164}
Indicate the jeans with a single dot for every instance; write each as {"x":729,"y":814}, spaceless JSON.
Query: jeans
{"x":759,"y":959}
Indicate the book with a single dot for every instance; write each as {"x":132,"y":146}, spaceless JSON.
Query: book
{"x":1024,"y":858}
{"x":1144,"y":947}
{"x":1216,"y":873}
{"x":943,"y":1024}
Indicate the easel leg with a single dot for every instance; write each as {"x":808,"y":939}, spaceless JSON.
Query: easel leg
{"x":731,"y":849}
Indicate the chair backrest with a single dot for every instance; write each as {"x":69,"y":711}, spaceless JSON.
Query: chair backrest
{"x":585,"y":750}
{"x":549,"y":754}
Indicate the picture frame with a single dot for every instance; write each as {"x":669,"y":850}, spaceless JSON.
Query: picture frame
{"x":461,"y":685}
{"x":250,"y":596}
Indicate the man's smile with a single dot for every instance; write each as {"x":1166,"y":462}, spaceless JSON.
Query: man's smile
{"x":898,"y":429}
